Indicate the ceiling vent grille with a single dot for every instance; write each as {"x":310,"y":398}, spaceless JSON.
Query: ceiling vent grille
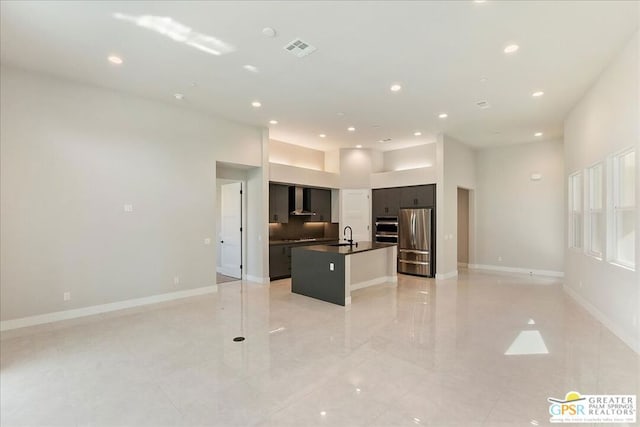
{"x":483,"y":104}
{"x":299,"y":48}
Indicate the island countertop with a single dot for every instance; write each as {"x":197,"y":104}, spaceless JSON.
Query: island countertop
{"x":330,"y":272}
{"x":347,"y":250}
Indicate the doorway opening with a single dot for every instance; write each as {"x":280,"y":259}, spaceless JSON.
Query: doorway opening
{"x":463,"y":227}
{"x":231,"y":183}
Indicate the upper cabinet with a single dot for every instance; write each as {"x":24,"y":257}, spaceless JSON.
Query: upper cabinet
{"x":418,"y":196}
{"x":320,"y":203}
{"x":387,"y":201}
{"x":278,"y":203}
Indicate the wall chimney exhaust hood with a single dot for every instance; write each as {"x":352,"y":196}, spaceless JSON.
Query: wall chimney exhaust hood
{"x":300,"y":199}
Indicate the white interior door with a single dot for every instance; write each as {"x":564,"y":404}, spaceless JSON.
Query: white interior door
{"x":230,"y":226}
{"x":356,"y":212}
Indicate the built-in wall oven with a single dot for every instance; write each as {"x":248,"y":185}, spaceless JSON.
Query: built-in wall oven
{"x":386,"y":230}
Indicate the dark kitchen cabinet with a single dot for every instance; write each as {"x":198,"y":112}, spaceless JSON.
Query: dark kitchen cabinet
{"x":278,"y":203}
{"x":320,"y":203}
{"x":279,"y":261}
{"x":385,"y":202}
{"x":418,"y":196}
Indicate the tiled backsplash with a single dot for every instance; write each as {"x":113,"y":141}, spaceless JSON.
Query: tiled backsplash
{"x":297,"y":228}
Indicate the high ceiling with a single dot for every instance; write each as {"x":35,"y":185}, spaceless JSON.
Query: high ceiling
{"x":446,"y":55}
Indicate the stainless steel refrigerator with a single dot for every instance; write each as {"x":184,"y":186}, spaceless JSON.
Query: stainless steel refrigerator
{"x":414,"y":242}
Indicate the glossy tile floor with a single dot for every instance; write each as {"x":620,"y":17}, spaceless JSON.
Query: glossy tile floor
{"x":424,"y":353}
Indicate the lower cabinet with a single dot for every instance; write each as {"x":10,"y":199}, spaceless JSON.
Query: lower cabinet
{"x":279,"y":261}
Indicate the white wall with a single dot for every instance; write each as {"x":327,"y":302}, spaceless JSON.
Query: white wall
{"x":520,"y":222}
{"x":294,"y":155}
{"x":332,"y":161}
{"x":420,"y":156}
{"x":258,"y":218}
{"x":71,"y":156}
{"x":301,"y":176}
{"x":403,"y":178}
{"x":456,"y":168}
{"x":357,"y":165}
{"x":605,"y":120}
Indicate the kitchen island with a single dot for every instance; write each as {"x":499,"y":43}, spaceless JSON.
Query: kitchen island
{"x":331,"y":272}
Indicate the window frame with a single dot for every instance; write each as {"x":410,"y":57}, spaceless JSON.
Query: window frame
{"x":590,"y":211}
{"x":614,"y":209}
{"x":575,"y":178}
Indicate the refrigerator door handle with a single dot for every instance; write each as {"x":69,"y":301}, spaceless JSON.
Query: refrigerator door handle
{"x":414,"y":251}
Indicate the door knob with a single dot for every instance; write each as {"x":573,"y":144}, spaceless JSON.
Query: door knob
{"x":221,"y":241}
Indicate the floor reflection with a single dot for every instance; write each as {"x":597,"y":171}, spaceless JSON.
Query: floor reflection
{"x":482,"y":349}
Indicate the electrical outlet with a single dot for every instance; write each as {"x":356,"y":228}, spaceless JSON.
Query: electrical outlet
{"x":207,"y":241}
{"x":66,"y":296}
{"x":580,"y":284}
{"x":332,"y":266}
{"x":176,"y":280}
{"x":499,"y":259}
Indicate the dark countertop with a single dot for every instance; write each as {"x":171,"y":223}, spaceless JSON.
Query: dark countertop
{"x":346,"y":250}
{"x":308,"y":241}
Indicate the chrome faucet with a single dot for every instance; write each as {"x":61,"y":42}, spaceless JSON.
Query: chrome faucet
{"x":344,"y":232}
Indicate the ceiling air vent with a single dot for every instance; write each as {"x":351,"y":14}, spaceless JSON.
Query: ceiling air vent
{"x":299,"y":48}
{"x":483,"y":104}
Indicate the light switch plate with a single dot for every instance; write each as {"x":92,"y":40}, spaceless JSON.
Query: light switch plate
{"x":128,"y":207}
{"x":332,"y":266}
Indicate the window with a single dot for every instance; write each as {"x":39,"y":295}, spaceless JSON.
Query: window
{"x":624,"y":209}
{"x":595,"y":224}
{"x":575,"y":210}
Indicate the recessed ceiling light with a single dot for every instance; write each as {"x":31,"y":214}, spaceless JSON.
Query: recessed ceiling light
{"x":443,"y":115}
{"x":417,"y":133}
{"x":340,"y":113}
{"x":251,"y":68}
{"x":256,"y":104}
{"x":484,"y":80}
{"x":479,"y":1}
{"x":178,"y":96}
{"x":351,"y":129}
{"x":512,"y":48}
{"x":322,"y":135}
{"x":115,"y":59}
{"x":395,"y":87}
{"x":359,"y":146}
{"x":273,"y":122}
{"x":537,"y":94}
{"x":538,"y":134}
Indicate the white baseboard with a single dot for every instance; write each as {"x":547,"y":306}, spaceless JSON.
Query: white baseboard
{"x":629,"y":340}
{"x":529,"y":271}
{"x":445,"y":276}
{"x":57,"y":316}
{"x":373,"y":282}
{"x":257,"y":279}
